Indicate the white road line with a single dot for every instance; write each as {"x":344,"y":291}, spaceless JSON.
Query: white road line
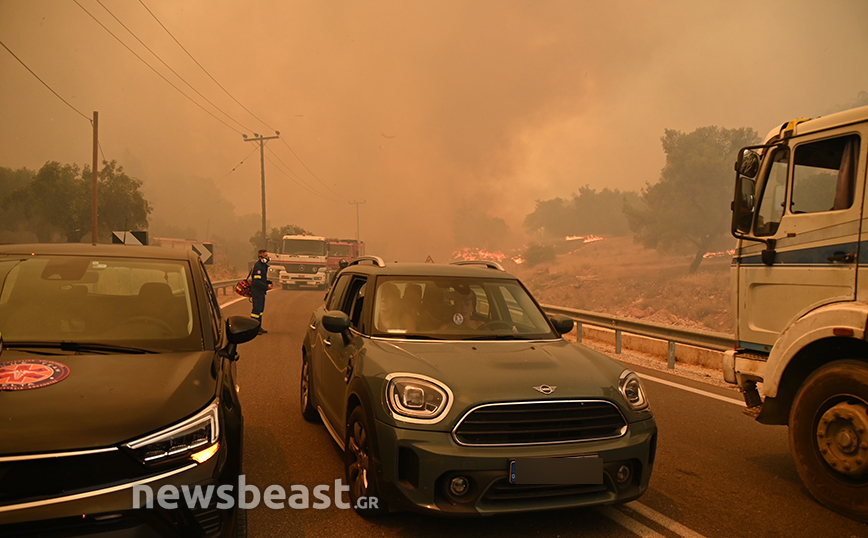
{"x":233,"y":301}
{"x":629,"y":523}
{"x":735,"y":401}
{"x":660,"y":519}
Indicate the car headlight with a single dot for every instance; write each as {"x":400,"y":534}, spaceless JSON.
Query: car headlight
{"x":632,"y":390}
{"x":195,"y":438}
{"x":416,"y":398}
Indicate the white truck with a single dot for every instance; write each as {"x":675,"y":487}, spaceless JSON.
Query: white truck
{"x":800,"y":298}
{"x":304,"y":259}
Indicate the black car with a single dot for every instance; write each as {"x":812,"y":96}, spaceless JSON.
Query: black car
{"x":451,"y":392}
{"x":117,"y":379}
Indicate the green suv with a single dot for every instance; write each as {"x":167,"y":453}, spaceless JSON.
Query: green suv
{"x":452,"y":392}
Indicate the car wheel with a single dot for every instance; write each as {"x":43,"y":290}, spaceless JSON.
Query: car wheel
{"x":829,"y":436}
{"x":361,"y":467}
{"x":308,"y":409}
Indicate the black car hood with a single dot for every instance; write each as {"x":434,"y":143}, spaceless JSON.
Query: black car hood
{"x":104,"y":401}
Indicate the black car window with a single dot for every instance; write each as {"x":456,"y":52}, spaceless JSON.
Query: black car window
{"x":337,"y":292}
{"x":355,"y":301}
{"x":213,"y":304}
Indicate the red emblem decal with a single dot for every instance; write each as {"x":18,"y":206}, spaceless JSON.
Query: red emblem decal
{"x":31,"y":374}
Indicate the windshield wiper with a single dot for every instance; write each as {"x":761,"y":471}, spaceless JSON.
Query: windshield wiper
{"x":496,"y":337}
{"x":77,"y":347}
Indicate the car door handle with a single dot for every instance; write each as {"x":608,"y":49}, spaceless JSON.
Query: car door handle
{"x":840,"y":257}
{"x":312,"y":326}
{"x":328,"y":341}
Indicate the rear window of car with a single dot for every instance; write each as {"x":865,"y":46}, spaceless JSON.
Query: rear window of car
{"x":92,"y":299}
{"x":447,"y":308}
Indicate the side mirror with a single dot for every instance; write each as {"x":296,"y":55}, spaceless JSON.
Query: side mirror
{"x":748,"y":163}
{"x":743,"y":205}
{"x":563,"y":324}
{"x":239,"y":329}
{"x":336,"y":321}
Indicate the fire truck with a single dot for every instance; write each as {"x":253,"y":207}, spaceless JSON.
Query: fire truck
{"x":304,"y":260}
{"x":800,"y":298}
{"x":343,"y":249}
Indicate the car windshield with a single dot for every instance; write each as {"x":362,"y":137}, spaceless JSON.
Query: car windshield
{"x":92,"y":300}
{"x":445,"y":308}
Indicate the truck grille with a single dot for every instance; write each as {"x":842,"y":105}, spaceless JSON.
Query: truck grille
{"x":305,"y":268}
{"x":540,"y":423}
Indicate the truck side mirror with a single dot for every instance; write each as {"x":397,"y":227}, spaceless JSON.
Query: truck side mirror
{"x":743,"y":204}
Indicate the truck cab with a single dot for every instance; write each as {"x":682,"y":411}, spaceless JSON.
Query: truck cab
{"x":800,"y":298}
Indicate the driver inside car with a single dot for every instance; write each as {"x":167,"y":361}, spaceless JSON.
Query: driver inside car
{"x":463,"y":311}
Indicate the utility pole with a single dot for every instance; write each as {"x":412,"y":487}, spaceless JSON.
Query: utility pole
{"x":261,"y":140}
{"x":357,"y":217}
{"x":94,"y":206}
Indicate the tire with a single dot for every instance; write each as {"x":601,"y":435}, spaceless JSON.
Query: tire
{"x":308,"y":408}
{"x":833,"y":402}
{"x":361,"y":468}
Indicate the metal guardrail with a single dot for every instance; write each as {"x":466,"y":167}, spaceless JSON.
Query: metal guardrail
{"x":224,"y":284}
{"x":673,"y":335}
{"x":660,"y":331}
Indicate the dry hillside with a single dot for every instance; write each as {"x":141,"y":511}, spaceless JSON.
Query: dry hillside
{"x":616,"y":276}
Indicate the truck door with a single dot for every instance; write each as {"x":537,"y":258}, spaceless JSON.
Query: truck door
{"x":810,"y":207}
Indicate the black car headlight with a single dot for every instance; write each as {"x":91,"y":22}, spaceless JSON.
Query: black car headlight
{"x":193,"y":439}
{"x":632,"y":390}
{"x":417,"y":398}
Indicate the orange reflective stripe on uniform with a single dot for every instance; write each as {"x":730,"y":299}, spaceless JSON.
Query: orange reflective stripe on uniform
{"x":257,"y":276}
{"x":257,"y":316}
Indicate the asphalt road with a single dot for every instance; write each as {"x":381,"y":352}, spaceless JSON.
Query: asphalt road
{"x":717,"y":473}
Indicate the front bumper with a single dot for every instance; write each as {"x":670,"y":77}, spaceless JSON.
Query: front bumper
{"x":302,"y":280}
{"x":109,"y":510}
{"x":417,"y":466}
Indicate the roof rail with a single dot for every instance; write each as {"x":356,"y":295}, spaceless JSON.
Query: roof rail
{"x":376,"y":260}
{"x":487,"y":263}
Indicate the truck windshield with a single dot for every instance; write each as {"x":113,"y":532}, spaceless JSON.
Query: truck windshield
{"x":340,"y":250}
{"x":304,"y":247}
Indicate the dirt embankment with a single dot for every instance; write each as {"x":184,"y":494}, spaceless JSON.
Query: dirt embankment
{"x":616,"y":276}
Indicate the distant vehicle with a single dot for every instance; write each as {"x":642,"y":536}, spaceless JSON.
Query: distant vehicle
{"x":304,"y":258}
{"x":117,"y":371}
{"x":342,"y":249}
{"x":801,"y":300}
{"x":452,"y":393}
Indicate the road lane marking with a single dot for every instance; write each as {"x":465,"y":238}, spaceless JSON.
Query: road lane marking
{"x":660,"y":519}
{"x":735,"y":401}
{"x":233,"y":301}
{"x":629,"y":523}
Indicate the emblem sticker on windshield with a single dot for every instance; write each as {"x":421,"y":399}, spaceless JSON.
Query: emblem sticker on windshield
{"x":31,"y":374}
{"x":458,"y":319}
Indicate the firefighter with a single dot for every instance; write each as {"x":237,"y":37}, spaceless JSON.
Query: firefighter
{"x":259,"y":286}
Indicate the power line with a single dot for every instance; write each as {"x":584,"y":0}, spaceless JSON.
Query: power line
{"x":46,"y":85}
{"x":157,"y":56}
{"x":308,"y":169}
{"x":298,"y":181}
{"x":202,"y":68}
{"x":309,"y":187}
{"x":154,"y":70}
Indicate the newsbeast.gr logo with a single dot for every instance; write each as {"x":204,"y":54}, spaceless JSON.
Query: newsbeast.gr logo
{"x":247,"y":496}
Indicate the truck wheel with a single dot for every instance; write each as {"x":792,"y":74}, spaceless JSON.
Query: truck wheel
{"x":829,"y":436}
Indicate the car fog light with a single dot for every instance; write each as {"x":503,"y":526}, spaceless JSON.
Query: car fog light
{"x":623,"y":474}
{"x":459,"y":486}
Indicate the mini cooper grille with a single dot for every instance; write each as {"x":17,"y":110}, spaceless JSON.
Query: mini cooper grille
{"x":540,"y":423}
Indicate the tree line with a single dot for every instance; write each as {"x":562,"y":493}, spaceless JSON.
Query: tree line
{"x":54,"y":203}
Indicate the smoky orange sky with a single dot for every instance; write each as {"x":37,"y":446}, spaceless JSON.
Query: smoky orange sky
{"x":414,"y":107}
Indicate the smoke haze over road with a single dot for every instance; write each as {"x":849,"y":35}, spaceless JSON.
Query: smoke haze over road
{"x":417,"y":108}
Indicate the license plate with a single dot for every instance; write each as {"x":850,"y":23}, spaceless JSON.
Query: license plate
{"x":573,"y":470}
